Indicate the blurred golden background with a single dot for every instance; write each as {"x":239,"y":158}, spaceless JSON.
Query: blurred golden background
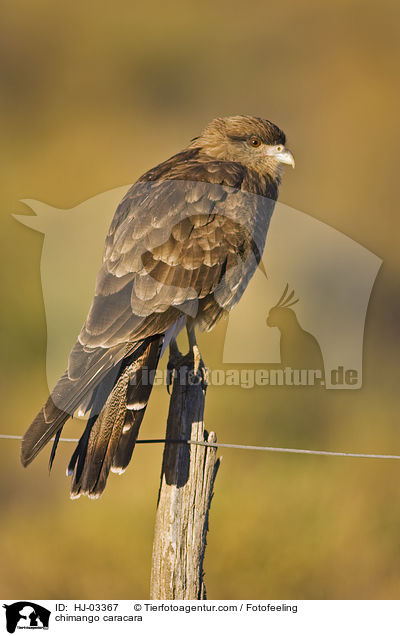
{"x":93,"y":94}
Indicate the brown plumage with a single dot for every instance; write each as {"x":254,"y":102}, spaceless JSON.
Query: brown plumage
{"x":182,"y":247}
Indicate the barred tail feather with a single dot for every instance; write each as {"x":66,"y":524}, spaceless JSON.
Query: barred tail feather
{"x":127,"y":441}
{"x":138,"y":395}
{"x":48,"y":421}
{"x":102,"y":443}
{"x":109,"y":439}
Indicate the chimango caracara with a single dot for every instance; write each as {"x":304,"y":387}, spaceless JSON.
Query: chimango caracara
{"x":181,"y":249}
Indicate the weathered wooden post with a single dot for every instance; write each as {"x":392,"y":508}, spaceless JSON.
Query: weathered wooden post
{"x":187,"y":480}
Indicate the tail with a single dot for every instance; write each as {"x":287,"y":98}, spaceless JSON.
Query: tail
{"x":117,"y":409}
{"x":109,"y":439}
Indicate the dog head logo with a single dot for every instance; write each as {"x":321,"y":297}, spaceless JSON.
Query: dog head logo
{"x":331,"y":274}
{"x":26,"y":615}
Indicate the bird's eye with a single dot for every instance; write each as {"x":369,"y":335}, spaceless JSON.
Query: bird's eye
{"x":255,"y":142}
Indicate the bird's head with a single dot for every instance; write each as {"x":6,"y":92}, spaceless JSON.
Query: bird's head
{"x":254,"y":142}
{"x":280,"y":316}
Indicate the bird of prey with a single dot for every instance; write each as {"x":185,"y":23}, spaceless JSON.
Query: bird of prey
{"x":181,"y":249}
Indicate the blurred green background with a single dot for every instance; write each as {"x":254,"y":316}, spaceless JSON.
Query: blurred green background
{"x":93,"y":94}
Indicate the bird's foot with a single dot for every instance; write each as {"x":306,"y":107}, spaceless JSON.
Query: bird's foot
{"x":197,"y":360}
{"x":200,"y":370}
{"x":189,"y":369}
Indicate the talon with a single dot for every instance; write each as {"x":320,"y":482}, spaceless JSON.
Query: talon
{"x":197,"y":361}
{"x":198,"y":364}
{"x":203,"y":375}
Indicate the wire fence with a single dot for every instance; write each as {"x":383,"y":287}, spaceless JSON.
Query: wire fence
{"x":271,"y":449}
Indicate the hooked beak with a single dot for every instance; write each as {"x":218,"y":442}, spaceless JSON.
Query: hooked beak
{"x":285,"y":156}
